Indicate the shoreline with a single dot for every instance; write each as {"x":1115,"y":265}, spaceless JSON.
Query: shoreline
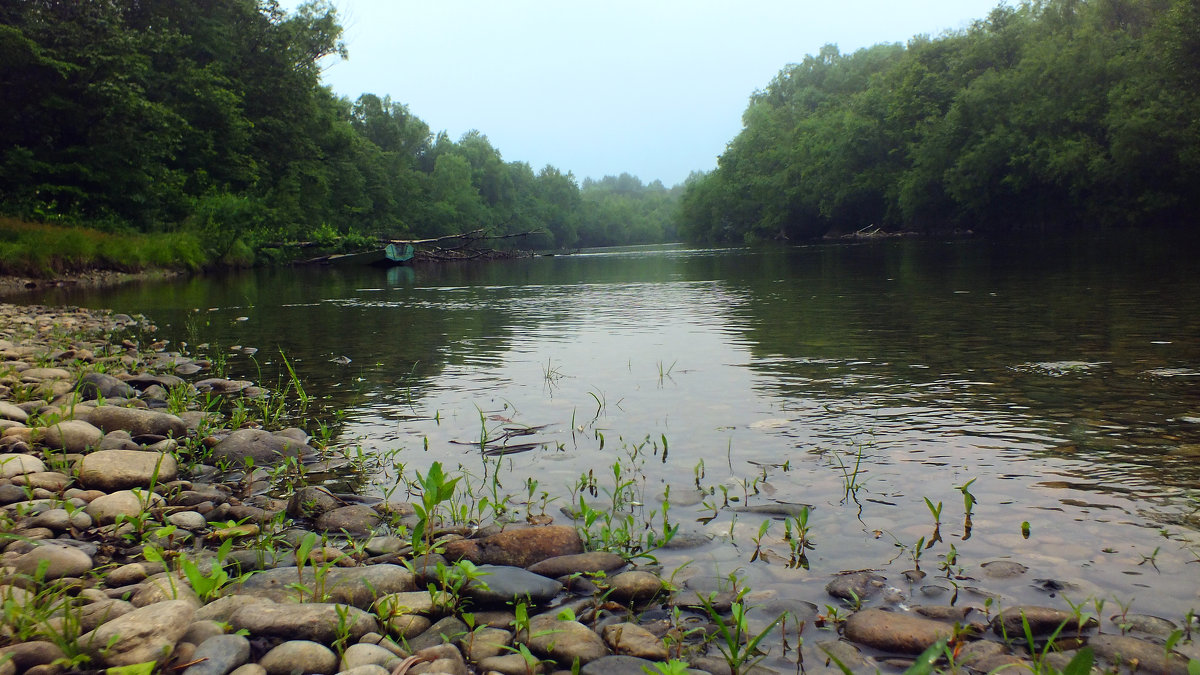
{"x":12,"y":286}
{"x":161,"y":537}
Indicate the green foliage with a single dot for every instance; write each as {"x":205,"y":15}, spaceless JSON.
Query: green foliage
{"x":1051,"y":114}
{"x":211,"y":120}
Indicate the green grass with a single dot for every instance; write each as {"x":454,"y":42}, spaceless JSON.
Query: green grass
{"x":41,"y":250}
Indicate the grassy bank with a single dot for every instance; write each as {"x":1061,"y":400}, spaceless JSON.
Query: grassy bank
{"x":40,"y":250}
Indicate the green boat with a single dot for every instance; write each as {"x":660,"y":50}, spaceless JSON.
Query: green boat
{"x":387,"y":256}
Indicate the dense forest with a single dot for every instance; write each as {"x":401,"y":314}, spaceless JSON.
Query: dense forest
{"x":1051,"y":115}
{"x":209,"y":118}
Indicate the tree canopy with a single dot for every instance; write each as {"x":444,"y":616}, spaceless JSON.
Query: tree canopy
{"x":1053,"y":114}
{"x":210,"y":117}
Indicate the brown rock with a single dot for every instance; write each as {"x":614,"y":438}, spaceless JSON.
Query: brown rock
{"x":518,"y":548}
{"x":895,"y":632}
{"x":1139,"y":655}
{"x":594,"y":561}
{"x":633,"y":640}
{"x":1042,"y":621}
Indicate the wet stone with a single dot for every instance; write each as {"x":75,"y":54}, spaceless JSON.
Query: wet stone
{"x":894,"y":632}
{"x":1003,"y":569}
{"x":635,"y":586}
{"x":502,"y":584}
{"x":943,"y":612}
{"x":843,"y":651}
{"x":1145,"y":623}
{"x":485,"y":643}
{"x":632,"y":640}
{"x":856,"y":585}
{"x":1149,"y":657}
{"x":619,"y":665}
{"x":563,"y":565}
{"x":564,"y":641}
{"x":1042,"y":621}
{"x":518,"y":548}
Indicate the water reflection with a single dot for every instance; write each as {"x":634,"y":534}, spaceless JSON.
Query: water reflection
{"x":1062,"y":378}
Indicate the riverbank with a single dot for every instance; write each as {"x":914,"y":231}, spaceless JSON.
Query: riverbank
{"x":155,"y":510}
{"x":11,"y":285}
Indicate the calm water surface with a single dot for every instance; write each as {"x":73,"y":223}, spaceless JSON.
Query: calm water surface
{"x":1064,"y":380}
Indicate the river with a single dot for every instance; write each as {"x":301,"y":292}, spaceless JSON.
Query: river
{"x":859,"y":379}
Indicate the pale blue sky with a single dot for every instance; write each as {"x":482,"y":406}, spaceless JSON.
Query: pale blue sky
{"x":654,"y":88}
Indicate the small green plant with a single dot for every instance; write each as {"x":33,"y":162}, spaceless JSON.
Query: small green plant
{"x":968,"y":507}
{"x":762,"y":532}
{"x":795,"y":533}
{"x":936,"y":512}
{"x":734,"y":639}
{"x":436,"y":489}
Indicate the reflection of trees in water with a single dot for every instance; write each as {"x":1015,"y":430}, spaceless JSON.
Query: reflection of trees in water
{"x":1058,"y":339}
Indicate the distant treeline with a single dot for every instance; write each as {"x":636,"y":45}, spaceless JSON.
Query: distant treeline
{"x":1054,"y":114}
{"x":209,"y":119}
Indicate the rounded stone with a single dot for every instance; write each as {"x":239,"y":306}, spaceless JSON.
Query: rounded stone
{"x":635,"y":586}
{"x":499,"y":584}
{"x":317,"y":622}
{"x":360,"y":654}
{"x":633,"y":640}
{"x":563,"y":565}
{"x":58,"y":560}
{"x":137,"y":421}
{"x":1003,"y":569}
{"x":357,"y":520}
{"x":110,"y":470}
{"x":129,"y":503}
{"x":96,"y":385}
{"x":17,"y":465}
{"x":1041,"y":620}
{"x":301,"y":656}
{"x":894,"y":632}
{"x":188,"y":520}
{"x":563,"y":641}
{"x":146,"y":634}
{"x":9,"y":411}
{"x":261,"y":446}
{"x":518,"y":548}
{"x":71,"y":435}
{"x":218,"y":654}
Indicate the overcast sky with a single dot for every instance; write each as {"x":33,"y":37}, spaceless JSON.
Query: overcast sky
{"x":654,"y":88}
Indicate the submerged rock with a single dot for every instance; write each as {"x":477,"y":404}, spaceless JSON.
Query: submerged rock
{"x":894,"y":631}
{"x":1139,"y":655}
{"x":1042,"y":621}
{"x":856,"y":586}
